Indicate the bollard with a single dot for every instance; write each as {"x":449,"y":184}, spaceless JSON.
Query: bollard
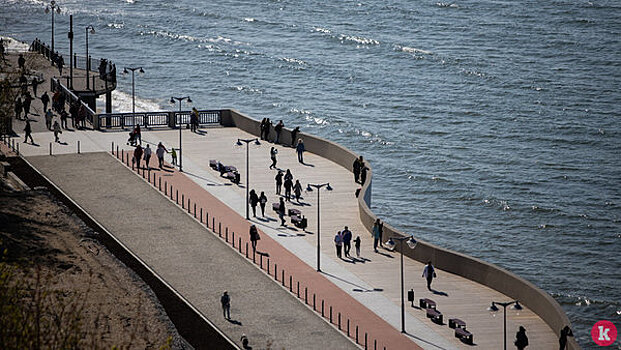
{"x":282,"y":278}
{"x":375,"y":344}
{"x":268,"y":266}
{"x":348,"y":327}
{"x":17,"y":149}
{"x":220,"y":228}
{"x":232,"y":239}
{"x":276,"y":272}
{"x":365,"y":340}
{"x":117,"y":151}
{"x":177,"y":194}
{"x":330,"y":314}
{"x":226,"y":229}
{"x":50,"y":148}
{"x":339,"y":321}
{"x":306,"y":295}
{"x":213,"y":225}
{"x":189,"y":206}
{"x":314,"y":309}
{"x":254,"y":256}
{"x":226,"y":237}
{"x":207,"y":219}
{"x":291,"y":283}
{"x":182,"y":201}
{"x":78,"y":146}
{"x":149,"y":177}
{"x":195,"y":210}
{"x":246,"y":249}
{"x":322,"y":308}
{"x":159,"y":180}
{"x":239,"y":245}
{"x":165,"y":187}
{"x":261,"y":260}
{"x":201,"y":218}
{"x":356,"y":334}
{"x":298,"y":289}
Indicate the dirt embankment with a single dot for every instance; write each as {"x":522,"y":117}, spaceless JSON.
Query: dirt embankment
{"x":49,"y":249}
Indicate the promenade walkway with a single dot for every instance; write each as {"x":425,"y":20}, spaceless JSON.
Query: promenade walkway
{"x":373,"y":282}
{"x":183,"y":252}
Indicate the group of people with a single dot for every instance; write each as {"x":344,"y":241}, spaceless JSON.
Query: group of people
{"x":255,"y":200}
{"x":146,"y":153}
{"x":360,"y":170}
{"x":342,"y":242}
{"x":266,"y":126}
{"x":288,"y":185}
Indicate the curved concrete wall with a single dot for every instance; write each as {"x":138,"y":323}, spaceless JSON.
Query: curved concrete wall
{"x":463,"y":265}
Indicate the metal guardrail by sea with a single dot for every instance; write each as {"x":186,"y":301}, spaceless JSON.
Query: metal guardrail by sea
{"x":157,"y":119}
{"x":71,"y":97}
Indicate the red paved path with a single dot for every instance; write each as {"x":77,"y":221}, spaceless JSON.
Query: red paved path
{"x":228,"y":223}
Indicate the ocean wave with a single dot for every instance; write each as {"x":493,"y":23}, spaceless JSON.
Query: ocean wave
{"x":412,"y":50}
{"x":358,"y":40}
{"x":116,"y":25}
{"x":322,"y":30}
{"x":249,"y":19}
{"x":247,"y":89}
{"x":447,"y":4}
{"x":13,"y":45}
{"x":122,"y":102}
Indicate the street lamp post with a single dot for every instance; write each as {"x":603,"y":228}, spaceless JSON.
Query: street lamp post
{"x":125,"y":71}
{"x":309,"y":188}
{"x":172,"y":101}
{"x":494,"y":308}
{"x":391,"y":245}
{"x":88,"y":59}
{"x":239,"y":143}
{"x":53,"y":7}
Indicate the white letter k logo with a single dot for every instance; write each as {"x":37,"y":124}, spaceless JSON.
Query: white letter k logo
{"x":603,"y":333}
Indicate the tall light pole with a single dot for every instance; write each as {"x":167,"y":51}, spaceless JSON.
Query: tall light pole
{"x":172,"y":101}
{"x":494,"y":308}
{"x":391,"y":245}
{"x":88,"y":59}
{"x":125,"y":72}
{"x":54,"y":8}
{"x":239,"y":143}
{"x":309,"y":188}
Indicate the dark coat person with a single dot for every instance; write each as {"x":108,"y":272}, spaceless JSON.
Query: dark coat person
{"x":521,"y":340}
{"x":254,"y":200}
{"x":254,"y":237}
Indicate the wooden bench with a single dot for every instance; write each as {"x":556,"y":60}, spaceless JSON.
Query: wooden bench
{"x":295,"y":212}
{"x":233,"y":176}
{"x":213,"y":164}
{"x":464,"y":335}
{"x":299,"y":222}
{"x":456,"y":323}
{"x":435,"y":315}
{"x":425,"y":303}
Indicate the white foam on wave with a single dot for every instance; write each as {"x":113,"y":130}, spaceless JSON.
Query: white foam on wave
{"x":13,"y":45}
{"x":412,"y":50}
{"x":122,"y":103}
{"x":249,"y":19}
{"x":322,"y":30}
{"x":116,"y":25}
{"x":358,"y":39}
{"x":447,"y":4}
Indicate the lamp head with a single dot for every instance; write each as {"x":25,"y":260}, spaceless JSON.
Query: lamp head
{"x":141,"y":71}
{"x":238,"y":142}
{"x":57,"y":9}
{"x":517,"y":306}
{"x":47,"y":9}
{"x":256,"y":142}
{"x":411,"y":242}
{"x":390,"y":244}
{"x":189,"y":99}
{"x":125,"y":72}
{"x":493,"y":307}
{"x":309,"y":188}
{"x":172,"y":101}
{"x":328,"y":187}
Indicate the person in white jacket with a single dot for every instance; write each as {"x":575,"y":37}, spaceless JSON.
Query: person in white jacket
{"x":429,"y":273}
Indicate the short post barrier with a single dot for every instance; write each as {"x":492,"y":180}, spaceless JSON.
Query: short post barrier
{"x":356,"y":334}
{"x":226,"y":229}
{"x":78,"y":146}
{"x":213,"y":225}
{"x":207,"y":219}
{"x":330,"y":314}
{"x":290,"y":283}
{"x":232,"y":238}
{"x":171,"y":192}
{"x":375,"y":344}
{"x":339,"y":318}
{"x":189,"y":206}
{"x":195,"y":210}
{"x":268,"y":266}
{"x":298,"y":289}
{"x":276,"y":272}
{"x":177,"y":194}
{"x":117,"y":151}
{"x":159,"y":183}
{"x":239,"y":245}
{"x":149,"y":176}
{"x":50,"y":148}
{"x":261,"y":260}
{"x":314,"y":308}
{"x":322,"y":315}
{"x":306,"y":295}
{"x":246,"y":250}
{"x":201,"y":218}
{"x":226,"y":237}
{"x":220,"y":228}
{"x":165,"y":187}
{"x":348,"y":327}
{"x":365,"y":340}
{"x":183,"y":201}
{"x":282,"y":277}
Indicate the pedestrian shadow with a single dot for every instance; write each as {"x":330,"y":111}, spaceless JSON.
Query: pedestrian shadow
{"x":361,"y":259}
{"x":385,"y":254}
{"x":200,"y":132}
{"x":235,"y":322}
{"x":437,"y":292}
{"x":423,"y":340}
{"x":358,"y":288}
{"x":62,"y":143}
{"x":68,"y":129}
{"x":308,"y":164}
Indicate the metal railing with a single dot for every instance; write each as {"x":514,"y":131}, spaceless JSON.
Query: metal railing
{"x":70,"y":97}
{"x":157,"y":119}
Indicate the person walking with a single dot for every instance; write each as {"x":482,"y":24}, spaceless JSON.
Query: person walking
{"x":137,"y":155}
{"x":160,"y":154}
{"x":297,"y":189}
{"x":356,"y":168}
{"x":381,"y":233}
{"x":376,"y":234}
{"x":273,"y":153}
{"x":48,"y":119}
{"x":262,"y":202}
{"x":147,"y":156}
{"x":338,"y":243}
{"x":28,"y":132}
{"x":137,"y":135}
{"x":521,"y":340}
{"x":57,"y":131}
{"x":45,"y":99}
{"x":278,"y":129}
{"x":21,"y":61}
{"x":254,"y":237}
{"x":300,"y":150}
{"x":26,"y":104}
{"x":288,"y":187}
{"x":363,"y":173}
{"x":262,"y":128}
{"x":281,"y":211}
{"x":278,"y":181}
{"x":18,"y":108}
{"x":225,"y":300}
{"x":173,"y":154}
{"x":63,"y":118}
{"x":194,"y":120}
{"x":35,"y":85}
{"x":60,"y":62}
{"x":429,"y":273}
{"x":254,"y":200}
{"x":357,"y":245}
{"x":562,"y":340}
{"x":346,"y":240}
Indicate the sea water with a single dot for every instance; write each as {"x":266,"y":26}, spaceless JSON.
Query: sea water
{"x":492,"y":126}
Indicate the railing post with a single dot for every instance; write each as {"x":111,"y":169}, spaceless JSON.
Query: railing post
{"x":246,"y":249}
{"x":261,"y":260}
{"x":226,"y":236}
{"x":165,"y":187}
{"x":282,"y":277}
{"x":306,"y":295}
{"x":177,"y":194}
{"x":233,"y":236}
{"x":160,"y":183}
{"x":183,"y":201}
{"x":298,"y":289}
{"x":220,"y":228}
{"x":195,"y":210}
{"x":276,"y":272}
{"x":268,"y":266}
{"x":239,"y":245}
{"x":330,"y":314}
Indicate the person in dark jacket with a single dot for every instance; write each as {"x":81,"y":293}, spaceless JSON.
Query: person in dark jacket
{"x":225,"y":300}
{"x":28,"y":132}
{"x":281,"y":212}
{"x":521,"y":340}
{"x":278,"y":181}
{"x":356,"y":168}
{"x":278,"y":129}
{"x":254,"y":200}
{"x":300,"y":151}
{"x":254,"y":237}
{"x":562,"y":340}
{"x":273,"y":153}
{"x":45,"y":99}
{"x":294,"y":135}
{"x":288,"y":187}
{"x":262,"y":202}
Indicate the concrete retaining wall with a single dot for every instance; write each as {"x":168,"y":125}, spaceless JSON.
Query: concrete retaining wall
{"x":463,"y":265}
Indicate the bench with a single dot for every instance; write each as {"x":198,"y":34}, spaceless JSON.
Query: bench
{"x":456,"y":323}
{"x":295,"y":212}
{"x":213,"y":164}
{"x":233,"y":176}
{"x":230,"y":169}
{"x":275,"y":207}
{"x":299,"y":222}
{"x":425,"y":303}
{"x":464,"y":335}
{"x":435,"y":315}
